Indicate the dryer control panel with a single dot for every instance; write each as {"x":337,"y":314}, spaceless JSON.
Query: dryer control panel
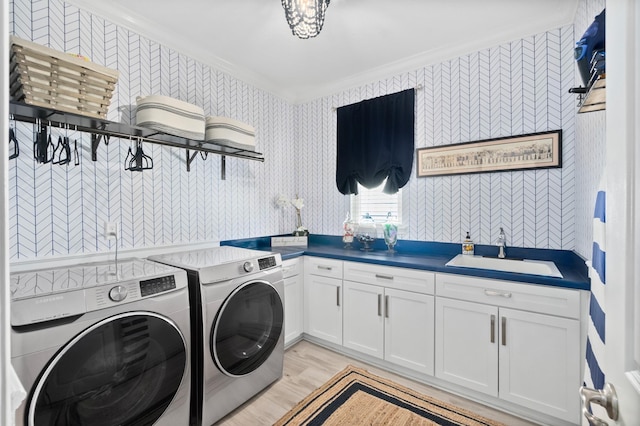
{"x":157,"y":285}
{"x":267,"y":262}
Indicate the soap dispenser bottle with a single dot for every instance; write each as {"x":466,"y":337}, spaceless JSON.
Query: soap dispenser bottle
{"x":467,"y":245}
{"x":348,"y":231}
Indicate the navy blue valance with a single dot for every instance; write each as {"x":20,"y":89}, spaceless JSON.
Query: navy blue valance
{"x":376,"y":141}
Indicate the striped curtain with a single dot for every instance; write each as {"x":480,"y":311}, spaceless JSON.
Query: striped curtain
{"x":594,"y":376}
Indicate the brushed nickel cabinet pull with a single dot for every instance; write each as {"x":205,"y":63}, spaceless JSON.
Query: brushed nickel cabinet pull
{"x":497,"y":293}
{"x":379,"y":305}
{"x":386,"y":306}
{"x":493,"y":328}
{"x":504,"y":331}
{"x":384,"y":277}
{"x":326,"y":268}
{"x":338,"y":296}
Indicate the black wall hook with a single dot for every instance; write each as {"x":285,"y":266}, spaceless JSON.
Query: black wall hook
{"x":14,"y":146}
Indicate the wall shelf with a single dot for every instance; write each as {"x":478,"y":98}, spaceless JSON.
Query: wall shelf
{"x":103,"y":129}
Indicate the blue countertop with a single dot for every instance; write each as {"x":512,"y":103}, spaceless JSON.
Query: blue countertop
{"x":431,"y":256}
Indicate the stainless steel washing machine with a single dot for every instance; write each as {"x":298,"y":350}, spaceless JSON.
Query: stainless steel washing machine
{"x":101,"y":345}
{"x":238,"y":296}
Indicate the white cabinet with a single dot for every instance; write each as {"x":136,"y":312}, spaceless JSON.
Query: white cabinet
{"x":323,"y":298}
{"x":408,"y":330}
{"x":518,"y":342}
{"x":539,"y":360}
{"x":363,"y":320}
{"x":383,"y":320}
{"x":293,"y":299}
{"x":466,"y":350}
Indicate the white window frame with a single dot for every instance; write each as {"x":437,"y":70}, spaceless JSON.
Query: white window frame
{"x":368,"y":197}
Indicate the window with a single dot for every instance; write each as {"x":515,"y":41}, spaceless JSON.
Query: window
{"x":376,"y":203}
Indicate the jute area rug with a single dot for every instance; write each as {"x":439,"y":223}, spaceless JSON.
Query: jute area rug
{"x":357,"y":397}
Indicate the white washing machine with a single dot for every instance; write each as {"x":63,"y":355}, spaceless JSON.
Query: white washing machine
{"x":238,"y":296}
{"x":98,"y":345}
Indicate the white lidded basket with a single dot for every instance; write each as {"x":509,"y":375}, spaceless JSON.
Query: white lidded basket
{"x":48,"y":78}
{"x":171,"y":116}
{"x":226,"y":131}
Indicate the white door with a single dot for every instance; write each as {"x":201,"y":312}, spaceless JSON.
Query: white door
{"x":6,"y":416}
{"x":362,"y":318}
{"x":323,"y":308}
{"x":409,"y":329}
{"x":293,"y":302}
{"x":539,"y":362}
{"x":466,"y":344}
{"x":622,"y":293}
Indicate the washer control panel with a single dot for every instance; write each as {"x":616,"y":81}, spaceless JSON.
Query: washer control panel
{"x":157,"y":285}
{"x":118,"y":293}
{"x":267,"y":262}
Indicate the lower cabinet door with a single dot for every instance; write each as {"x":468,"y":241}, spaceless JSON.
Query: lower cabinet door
{"x":293,"y":303}
{"x":467,"y":344}
{"x":363,"y":318}
{"x":540,"y":362}
{"x":323,"y":308}
{"x":409,"y":329}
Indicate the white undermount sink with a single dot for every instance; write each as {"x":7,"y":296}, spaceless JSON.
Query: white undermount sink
{"x":522,"y":266}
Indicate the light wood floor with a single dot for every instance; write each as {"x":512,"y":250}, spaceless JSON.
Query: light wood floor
{"x":308,"y":366}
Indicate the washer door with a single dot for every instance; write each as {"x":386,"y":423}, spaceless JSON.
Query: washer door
{"x":247,"y":328}
{"x":124,"y":370}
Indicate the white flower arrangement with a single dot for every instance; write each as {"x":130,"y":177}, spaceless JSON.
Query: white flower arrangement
{"x":298,"y":204}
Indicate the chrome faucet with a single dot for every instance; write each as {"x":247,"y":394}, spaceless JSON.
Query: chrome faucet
{"x":502,"y":244}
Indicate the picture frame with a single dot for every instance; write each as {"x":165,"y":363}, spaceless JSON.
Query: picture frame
{"x":530,"y":151}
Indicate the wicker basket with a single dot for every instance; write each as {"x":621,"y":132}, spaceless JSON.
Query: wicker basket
{"x":45,"y":77}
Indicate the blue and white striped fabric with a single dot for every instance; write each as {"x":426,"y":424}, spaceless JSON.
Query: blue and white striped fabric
{"x":594,"y":376}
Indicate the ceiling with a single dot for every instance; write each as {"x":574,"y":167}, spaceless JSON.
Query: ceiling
{"x":362,"y":40}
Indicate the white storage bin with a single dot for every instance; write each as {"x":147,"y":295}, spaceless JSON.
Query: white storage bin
{"x":226,"y":131}
{"x":171,"y":116}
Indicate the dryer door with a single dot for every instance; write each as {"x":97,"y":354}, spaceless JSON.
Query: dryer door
{"x":247,"y":328}
{"x":124,"y":370}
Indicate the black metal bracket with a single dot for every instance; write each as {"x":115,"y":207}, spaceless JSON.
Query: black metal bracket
{"x":190,"y":158}
{"x":95,"y":142}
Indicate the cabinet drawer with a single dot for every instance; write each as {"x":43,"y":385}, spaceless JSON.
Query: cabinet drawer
{"x":323,"y":267}
{"x":291,"y":267}
{"x":390,"y":277}
{"x":530,"y":297}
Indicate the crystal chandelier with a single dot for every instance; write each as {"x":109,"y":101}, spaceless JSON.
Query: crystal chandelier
{"x":305,"y":17}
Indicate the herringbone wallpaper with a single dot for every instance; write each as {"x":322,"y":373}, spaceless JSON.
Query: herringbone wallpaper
{"x":511,"y":89}
{"x":59,"y":210}
{"x":590,"y":146}
{"x":515,"y":88}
